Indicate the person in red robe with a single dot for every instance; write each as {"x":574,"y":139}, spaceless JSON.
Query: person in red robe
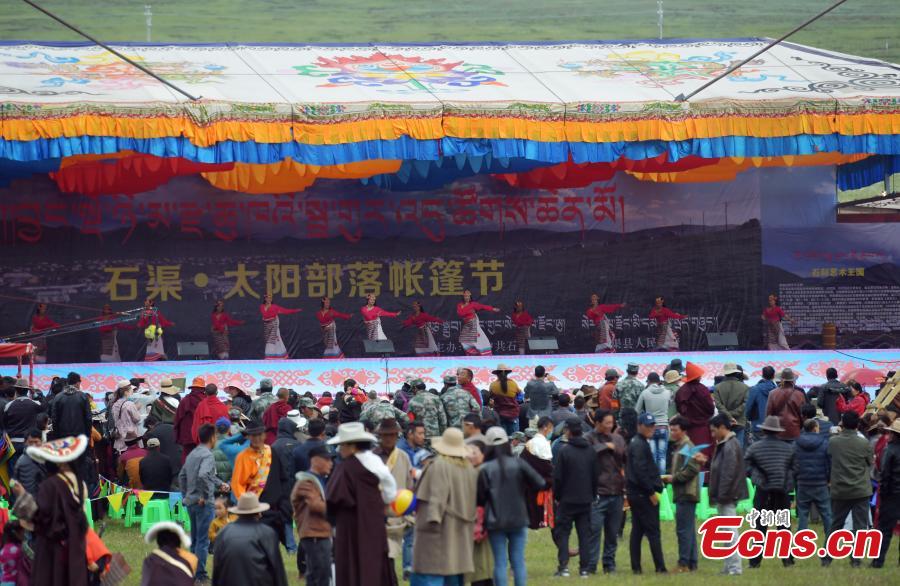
{"x":184,"y":416}
{"x":326,"y":316}
{"x":356,"y":495}
{"x":472,"y":338}
{"x":209,"y":410}
{"x":275,"y":348}
{"x":372,"y":315}
{"x":151,"y":316}
{"x":40,"y":322}
{"x":275,"y":413}
{"x":221,"y":320}
{"x":694,"y":402}
{"x":424,"y":344}
{"x":603,"y":334}
{"x":522,"y":321}
{"x":666,"y":338}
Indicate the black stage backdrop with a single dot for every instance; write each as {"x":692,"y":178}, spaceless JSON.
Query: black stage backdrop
{"x":187,"y":244}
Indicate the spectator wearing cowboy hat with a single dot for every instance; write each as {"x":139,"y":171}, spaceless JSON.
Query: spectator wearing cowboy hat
{"x":170,"y":563}
{"x":359,"y":488}
{"x":770,"y":462}
{"x":247,"y":550}
{"x":398,"y":462}
{"x":504,"y":392}
{"x":445,"y":518}
{"x":730,"y":397}
{"x":786,"y":402}
{"x":20,"y":416}
{"x":166,"y":405}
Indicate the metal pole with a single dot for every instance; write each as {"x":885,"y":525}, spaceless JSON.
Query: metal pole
{"x":660,"y":16}
{"x":111,"y":50}
{"x":148,"y":15}
{"x":733,"y":68}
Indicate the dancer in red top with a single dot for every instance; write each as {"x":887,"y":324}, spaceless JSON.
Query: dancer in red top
{"x":471,"y":337}
{"x":109,"y":336}
{"x":275,"y":348}
{"x":220,"y":322}
{"x":372,"y":315}
{"x":603,"y":334}
{"x":425,"y":344}
{"x":326,"y":316}
{"x":772,"y":317}
{"x":40,"y":322}
{"x":666,"y":338}
{"x":523,"y":321}
{"x":152,"y":317}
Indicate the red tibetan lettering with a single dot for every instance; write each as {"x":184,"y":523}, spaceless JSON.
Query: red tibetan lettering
{"x":91,"y":215}
{"x":432,"y":215}
{"x":373,"y":211}
{"x":316,"y":218}
{"x":225,"y":220}
{"x":462,"y":206}
{"x":190,"y":213}
{"x":284,"y":209}
{"x":123,"y":213}
{"x":348,"y":212}
{"x":547,"y":210}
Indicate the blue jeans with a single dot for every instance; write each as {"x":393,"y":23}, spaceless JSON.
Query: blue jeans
{"x":821,"y":497}
{"x":408,"y":548}
{"x":687,"y":536}
{"x":739,"y":433}
{"x":435,"y":580}
{"x":201,"y":516}
{"x":510,"y":426}
{"x":659,"y":444}
{"x":509,"y":548}
{"x":290,"y":542}
{"x":606,"y":519}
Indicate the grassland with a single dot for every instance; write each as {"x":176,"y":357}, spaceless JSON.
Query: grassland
{"x":864,"y":27}
{"x":541,"y":560}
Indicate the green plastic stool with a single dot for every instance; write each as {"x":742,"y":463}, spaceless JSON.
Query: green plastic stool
{"x":745,"y":505}
{"x":666,"y":508}
{"x":180,"y":515}
{"x":131,"y":514}
{"x":155,"y":511}
{"x":88,"y":512}
{"x":704,"y":510}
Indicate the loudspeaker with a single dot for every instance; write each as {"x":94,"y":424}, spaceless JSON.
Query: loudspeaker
{"x":193,"y":349}
{"x":380,"y":347}
{"x":543,"y":344}
{"x":722,"y":340}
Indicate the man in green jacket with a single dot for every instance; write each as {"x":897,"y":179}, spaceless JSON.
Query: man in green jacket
{"x":851,"y":465}
{"x":730,"y":397}
{"x":685,"y":481}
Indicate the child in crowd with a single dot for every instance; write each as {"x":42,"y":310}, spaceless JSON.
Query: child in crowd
{"x":12,"y":555}
{"x":222,"y":518}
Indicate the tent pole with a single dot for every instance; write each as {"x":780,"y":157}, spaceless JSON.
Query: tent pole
{"x":77,"y":30}
{"x":733,"y":68}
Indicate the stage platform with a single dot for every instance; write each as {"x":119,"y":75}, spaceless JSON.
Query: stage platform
{"x":569,"y":370}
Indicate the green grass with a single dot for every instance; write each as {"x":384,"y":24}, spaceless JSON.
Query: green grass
{"x":864,"y":27}
{"x":541,"y":558}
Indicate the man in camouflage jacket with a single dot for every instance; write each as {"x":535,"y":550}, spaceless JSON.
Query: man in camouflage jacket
{"x":628,"y":389}
{"x":379,"y":411}
{"x":457,"y":402}
{"x":427,"y":407}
